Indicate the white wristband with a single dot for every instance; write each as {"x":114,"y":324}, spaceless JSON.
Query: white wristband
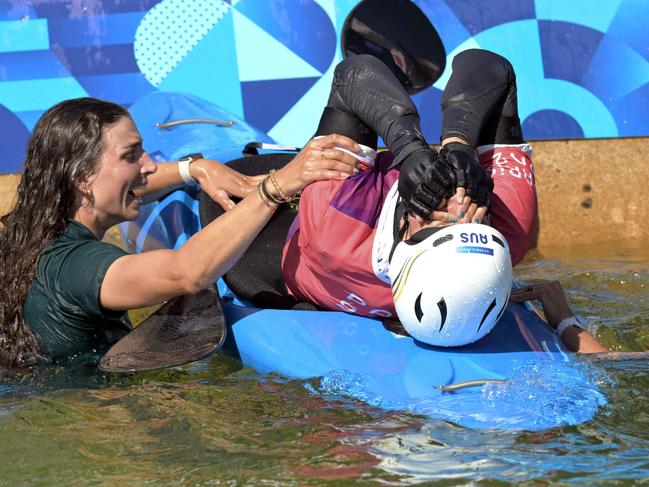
{"x":183,"y":170}
{"x":572,"y":321}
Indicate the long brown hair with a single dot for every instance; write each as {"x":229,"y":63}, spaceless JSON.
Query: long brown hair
{"x":63,"y":151}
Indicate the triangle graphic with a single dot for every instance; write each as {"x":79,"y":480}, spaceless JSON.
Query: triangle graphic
{"x":162,"y":38}
{"x":266,"y":102}
{"x":301,"y":121}
{"x":210,"y":69}
{"x":262,"y":57}
{"x":301,"y":25}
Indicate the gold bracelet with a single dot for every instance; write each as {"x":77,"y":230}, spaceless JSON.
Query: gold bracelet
{"x":285,"y":198}
{"x":268,"y":194}
{"x":269,"y":203}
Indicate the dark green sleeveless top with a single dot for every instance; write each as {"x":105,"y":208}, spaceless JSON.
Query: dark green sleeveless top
{"x":62,"y":305}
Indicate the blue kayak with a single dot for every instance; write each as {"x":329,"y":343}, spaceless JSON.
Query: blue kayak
{"x":517,"y":377}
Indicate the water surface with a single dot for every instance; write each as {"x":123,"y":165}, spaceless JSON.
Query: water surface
{"x":216,"y":423}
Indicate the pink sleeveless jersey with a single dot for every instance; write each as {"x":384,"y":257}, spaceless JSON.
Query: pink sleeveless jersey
{"x":327,"y":258}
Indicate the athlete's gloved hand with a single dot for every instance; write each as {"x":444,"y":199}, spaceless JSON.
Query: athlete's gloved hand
{"x":467,"y":172}
{"x":424,"y":181}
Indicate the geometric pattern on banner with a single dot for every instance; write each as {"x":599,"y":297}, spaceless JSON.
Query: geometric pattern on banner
{"x":261,"y":56}
{"x":163,"y":38}
{"x":210,"y":69}
{"x":567,"y":49}
{"x":17,"y":11}
{"x":626,"y":70}
{"x":88,"y":8}
{"x":428,"y":104}
{"x":262,"y":115}
{"x":478,"y":16}
{"x":301,"y":25}
{"x":98,"y":60}
{"x":581,"y":70}
{"x":106,"y":30}
{"x":583,"y":66}
{"x":552,"y":124}
{"x":581,"y":12}
{"x":520,"y":42}
{"x":630,"y":25}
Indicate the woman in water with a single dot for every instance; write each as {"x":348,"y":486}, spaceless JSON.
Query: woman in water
{"x":67,"y":292}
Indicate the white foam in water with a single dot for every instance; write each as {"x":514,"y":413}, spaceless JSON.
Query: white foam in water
{"x":541,"y":394}
{"x":358,"y":386}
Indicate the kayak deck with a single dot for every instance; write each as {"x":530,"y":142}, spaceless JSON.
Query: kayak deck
{"x":517,"y":377}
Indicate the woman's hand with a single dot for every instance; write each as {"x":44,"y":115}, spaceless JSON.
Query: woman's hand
{"x":450,"y":212}
{"x":222,"y":183}
{"x":318,"y":160}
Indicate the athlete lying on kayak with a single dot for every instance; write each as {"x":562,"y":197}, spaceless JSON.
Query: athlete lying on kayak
{"x":341,"y":250}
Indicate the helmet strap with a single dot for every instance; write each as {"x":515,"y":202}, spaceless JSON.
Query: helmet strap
{"x":400,"y":224}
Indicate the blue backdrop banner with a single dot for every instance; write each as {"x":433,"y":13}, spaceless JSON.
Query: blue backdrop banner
{"x":583,"y":69}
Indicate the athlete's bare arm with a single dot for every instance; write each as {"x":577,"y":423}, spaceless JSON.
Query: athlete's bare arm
{"x":556,"y":308}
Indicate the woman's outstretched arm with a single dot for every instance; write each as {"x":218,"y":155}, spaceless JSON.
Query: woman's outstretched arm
{"x":153,"y":277}
{"x":219,"y":181}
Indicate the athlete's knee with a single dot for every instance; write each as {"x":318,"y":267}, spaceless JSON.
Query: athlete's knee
{"x":479,"y":102}
{"x":358,"y":64}
{"x":339,"y":116}
{"x":483,"y":61}
{"x":350,"y":76}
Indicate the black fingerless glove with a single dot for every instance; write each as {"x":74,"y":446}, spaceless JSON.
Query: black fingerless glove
{"x":467,"y":172}
{"x":424,"y":180}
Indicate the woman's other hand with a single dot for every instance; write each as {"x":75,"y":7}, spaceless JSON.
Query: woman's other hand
{"x":222,"y":183}
{"x":319,"y":160}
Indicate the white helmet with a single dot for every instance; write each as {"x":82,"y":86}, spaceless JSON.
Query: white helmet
{"x":451,"y":284}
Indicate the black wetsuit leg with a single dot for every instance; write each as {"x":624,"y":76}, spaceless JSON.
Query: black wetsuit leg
{"x":366,"y":90}
{"x":479,"y":103}
{"x":257,"y":276}
{"x":365,"y":98}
